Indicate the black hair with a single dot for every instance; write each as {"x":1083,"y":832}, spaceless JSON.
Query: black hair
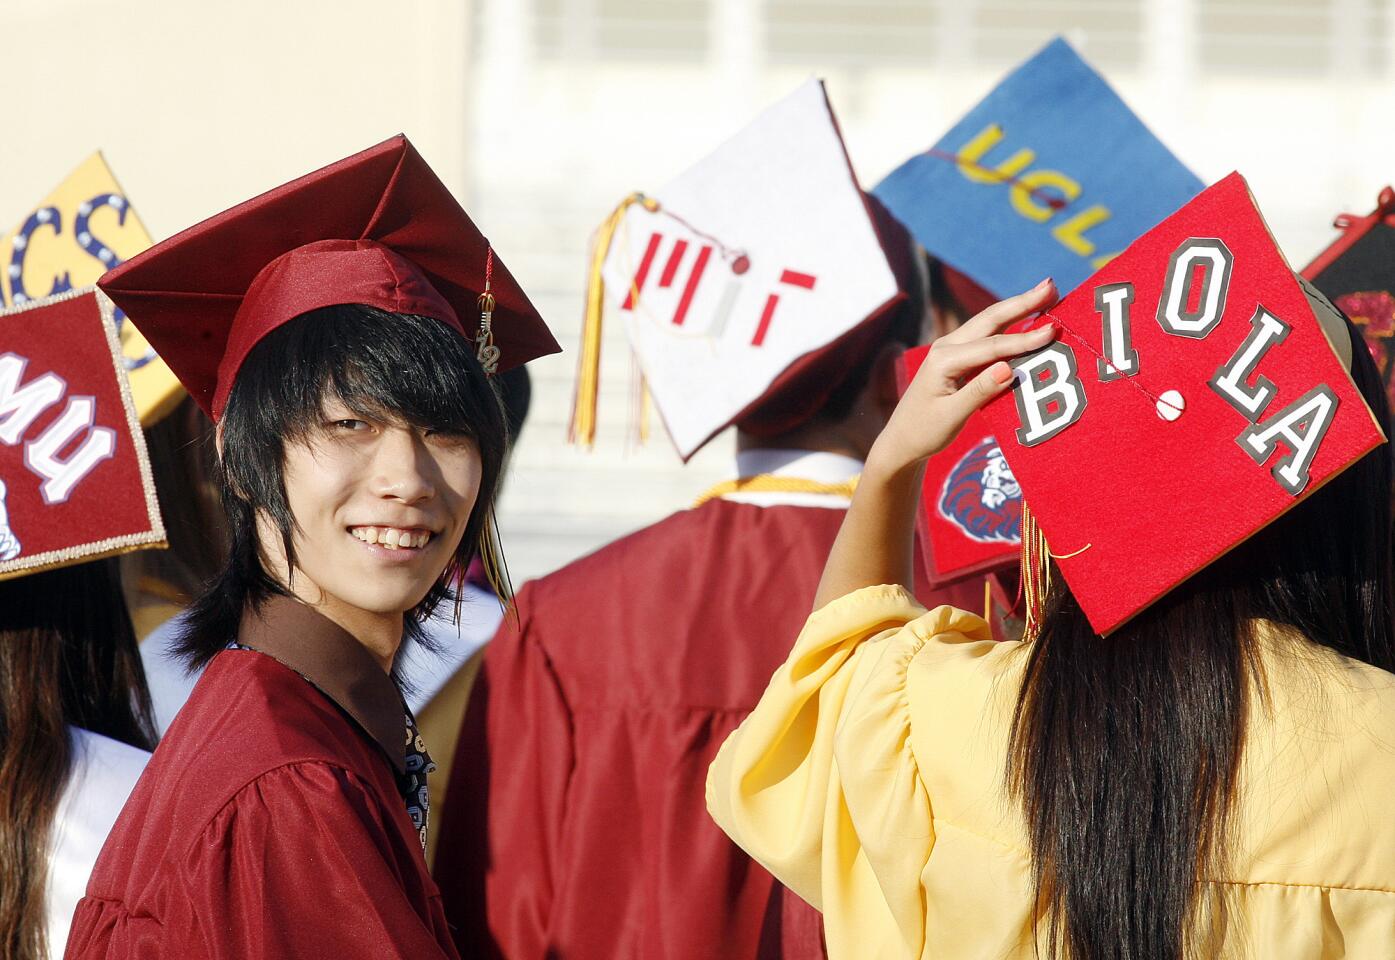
{"x":184,"y":463}
{"x":516,"y":393}
{"x":379,"y":364}
{"x":1125,"y":751}
{"x":904,"y":327}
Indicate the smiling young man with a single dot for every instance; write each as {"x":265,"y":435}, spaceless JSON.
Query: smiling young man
{"x":332,"y":328}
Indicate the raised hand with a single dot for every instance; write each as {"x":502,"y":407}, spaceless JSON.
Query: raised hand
{"x":965,"y":369}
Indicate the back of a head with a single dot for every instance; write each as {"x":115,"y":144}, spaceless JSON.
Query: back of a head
{"x":824,"y":387}
{"x":68,"y":657}
{"x":1118,"y":837}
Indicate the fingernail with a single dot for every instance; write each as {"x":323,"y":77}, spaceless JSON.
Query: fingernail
{"x":1043,"y":285}
{"x":1001,"y":371}
{"x":1020,"y":375}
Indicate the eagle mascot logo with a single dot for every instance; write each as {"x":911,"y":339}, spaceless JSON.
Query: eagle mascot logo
{"x":981,"y":496}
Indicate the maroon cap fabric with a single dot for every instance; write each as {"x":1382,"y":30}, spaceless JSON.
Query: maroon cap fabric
{"x":377,"y":228}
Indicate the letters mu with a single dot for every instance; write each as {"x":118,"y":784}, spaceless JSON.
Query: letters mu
{"x":1051,"y":397}
{"x":21,"y":406}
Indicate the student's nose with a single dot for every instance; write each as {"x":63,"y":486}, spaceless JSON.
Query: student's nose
{"x":402,"y":470}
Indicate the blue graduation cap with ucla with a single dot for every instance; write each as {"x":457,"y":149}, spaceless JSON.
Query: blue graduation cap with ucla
{"x":1050,"y":175}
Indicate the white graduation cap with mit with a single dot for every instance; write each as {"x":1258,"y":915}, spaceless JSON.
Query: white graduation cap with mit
{"x":759,"y":254}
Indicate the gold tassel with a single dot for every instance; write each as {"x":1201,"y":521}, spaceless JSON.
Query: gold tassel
{"x":1036,"y":574}
{"x":588,"y":367}
{"x":496,"y":570}
{"x":639,"y":404}
{"x":646,"y":403}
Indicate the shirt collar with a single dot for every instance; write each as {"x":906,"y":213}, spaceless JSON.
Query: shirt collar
{"x":339,"y":666}
{"x":804,"y":464}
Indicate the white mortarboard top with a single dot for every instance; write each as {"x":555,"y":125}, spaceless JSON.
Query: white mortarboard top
{"x":760,"y":254}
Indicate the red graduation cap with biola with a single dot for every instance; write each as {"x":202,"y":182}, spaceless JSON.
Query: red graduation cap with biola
{"x":1196,"y":392}
{"x":75,"y":481}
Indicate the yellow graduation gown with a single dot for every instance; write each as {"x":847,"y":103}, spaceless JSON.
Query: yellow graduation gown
{"x":869,"y":780}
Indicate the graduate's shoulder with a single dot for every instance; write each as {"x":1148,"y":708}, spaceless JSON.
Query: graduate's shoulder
{"x":248,"y":715}
{"x":251,"y":729}
{"x":719,"y":532}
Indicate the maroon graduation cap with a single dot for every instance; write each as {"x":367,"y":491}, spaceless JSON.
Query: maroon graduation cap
{"x":970,"y":516}
{"x":1192,"y":397}
{"x":75,"y":482}
{"x":377,"y":228}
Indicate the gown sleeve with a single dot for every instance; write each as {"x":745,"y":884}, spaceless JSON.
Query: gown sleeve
{"x":820,"y":785}
{"x":301,"y":863}
{"x":506,"y":807}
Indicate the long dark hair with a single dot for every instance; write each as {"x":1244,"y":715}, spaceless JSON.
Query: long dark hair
{"x":68,"y":656}
{"x":378,"y":363}
{"x":184,"y":462}
{"x":1125,"y":751}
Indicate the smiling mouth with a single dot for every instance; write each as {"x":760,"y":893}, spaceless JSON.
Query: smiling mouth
{"x":393,"y":538}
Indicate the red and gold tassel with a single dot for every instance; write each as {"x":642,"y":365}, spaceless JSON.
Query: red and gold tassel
{"x":1036,"y":574}
{"x":485,"y":350}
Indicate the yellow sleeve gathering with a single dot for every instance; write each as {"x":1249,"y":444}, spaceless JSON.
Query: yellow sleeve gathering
{"x":820,"y":784}
{"x":869,"y":780}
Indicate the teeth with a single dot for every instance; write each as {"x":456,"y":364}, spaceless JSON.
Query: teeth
{"x":392,"y":538}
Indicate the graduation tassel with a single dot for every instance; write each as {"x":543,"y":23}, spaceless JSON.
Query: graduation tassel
{"x":496,"y":571}
{"x":646,"y":403}
{"x":1036,"y":574}
{"x":640,"y":402}
{"x":588,"y":366}
{"x":485,"y":350}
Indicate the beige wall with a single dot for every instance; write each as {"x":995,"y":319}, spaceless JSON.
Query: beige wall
{"x":199,"y":104}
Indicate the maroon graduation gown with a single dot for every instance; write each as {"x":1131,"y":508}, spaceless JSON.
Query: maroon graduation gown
{"x":575,"y":825}
{"x":269,"y":822}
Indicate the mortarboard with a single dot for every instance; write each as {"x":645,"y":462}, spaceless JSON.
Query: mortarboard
{"x":746,"y":282}
{"x":1357,"y":273}
{"x":75,"y":482}
{"x":1040,"y":179}
{"x":805,"y":386}
{"x":970,"y":516}
{"x":377,"y":228}
{"x":1192,"y":397}
{"x":83,"y":228}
